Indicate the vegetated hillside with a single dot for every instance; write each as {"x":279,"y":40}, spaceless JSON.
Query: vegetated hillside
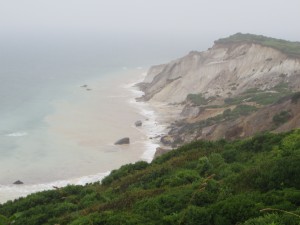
{"x":238,"y":118}
{"x":232,"y":90}
{"x":248,"y":182}
{"x":287,"y":47}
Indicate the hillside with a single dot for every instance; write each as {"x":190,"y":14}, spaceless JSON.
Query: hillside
{"x":287,"y":47}
{"x":249,"y":182}
{"x":232,"y":90}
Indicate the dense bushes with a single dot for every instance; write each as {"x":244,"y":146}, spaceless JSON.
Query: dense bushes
{"x":204,"y":182}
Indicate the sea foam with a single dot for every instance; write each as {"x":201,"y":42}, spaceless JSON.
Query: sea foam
{"x":8,"y":192}
{"x":17,"y":134}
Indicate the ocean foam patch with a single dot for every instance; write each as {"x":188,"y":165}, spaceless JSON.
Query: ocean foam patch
{"x":10,"y":192}
{"x":17,"y":134}
{"x":151,"y":127}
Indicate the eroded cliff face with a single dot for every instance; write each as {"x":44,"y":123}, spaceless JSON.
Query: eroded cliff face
{"x":232,"y":90}
{"x":225,"y":70}
{"x":286,"y":111}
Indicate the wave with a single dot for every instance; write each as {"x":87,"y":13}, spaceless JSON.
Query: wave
{"x":151,"y":126}
{"x":17,"y":134}
{"x":9,"y":192}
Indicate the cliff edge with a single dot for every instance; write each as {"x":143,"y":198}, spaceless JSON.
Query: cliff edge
{"x":241,"y":79}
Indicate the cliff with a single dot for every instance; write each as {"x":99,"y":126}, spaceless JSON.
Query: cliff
{"x":243,"y":75}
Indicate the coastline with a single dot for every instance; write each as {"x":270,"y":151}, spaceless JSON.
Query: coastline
{"x":144,"y":138}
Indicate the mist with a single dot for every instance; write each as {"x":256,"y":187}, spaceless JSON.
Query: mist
{"x":162,"y":28}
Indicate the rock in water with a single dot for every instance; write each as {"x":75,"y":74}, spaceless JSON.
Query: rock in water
{"x":138,"y":123}
{"x":123,"y":141}
{"x":18,"y":182}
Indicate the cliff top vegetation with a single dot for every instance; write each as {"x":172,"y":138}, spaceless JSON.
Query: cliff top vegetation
{"x":287,"y":47}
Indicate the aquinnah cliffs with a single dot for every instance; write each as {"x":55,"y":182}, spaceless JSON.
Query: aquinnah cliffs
{"x":243,"y":85}
{"x":235,"y":140}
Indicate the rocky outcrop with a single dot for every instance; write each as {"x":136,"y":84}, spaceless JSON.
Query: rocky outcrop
{"x":123,"y":141}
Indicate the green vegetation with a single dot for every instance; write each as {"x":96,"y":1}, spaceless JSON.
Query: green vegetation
{"x":228,"y":114}
{"x":247,"y":182}
{"x":295,"y":97}
{"x":261,"y":97}
{"x":287,"y":47}
{"x":197,"y":99}
{"x":281,"y":117}
{"x":239,"y":110}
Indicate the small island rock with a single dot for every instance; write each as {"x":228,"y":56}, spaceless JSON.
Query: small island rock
{"x":18,"y":182}
{"x":138,"y":123}
{"x":123,"y":141}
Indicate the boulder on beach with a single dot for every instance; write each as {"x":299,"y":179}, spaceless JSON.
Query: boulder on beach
{"x":18,"y":182}
{"x":138,"y":123}
{"x":123,"y":141}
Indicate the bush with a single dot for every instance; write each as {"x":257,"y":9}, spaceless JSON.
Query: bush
{"x":123,"y":171}
{"x":295,"y":98}
{"x":197,"y":99}
{"x":235,"y":210}
{"x":182,"y":177}
{"x":195,"y":215}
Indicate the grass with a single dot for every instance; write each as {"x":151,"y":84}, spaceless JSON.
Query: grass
{"x":228,"y":114}
{"x":261,"y":97}
{"x":289,"y":48}
{"x":197,"y":99}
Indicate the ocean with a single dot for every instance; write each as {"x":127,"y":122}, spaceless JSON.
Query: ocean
{"x":63,"y":105}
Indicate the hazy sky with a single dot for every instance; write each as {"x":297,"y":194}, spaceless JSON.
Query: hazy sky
{"x":153,"y":19}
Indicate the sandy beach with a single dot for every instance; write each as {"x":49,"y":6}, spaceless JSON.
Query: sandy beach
{"x":82,"y":130}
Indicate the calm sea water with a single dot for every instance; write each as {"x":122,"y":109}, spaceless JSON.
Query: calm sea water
{"x":34,"y":74}
{"x":51,"y":129}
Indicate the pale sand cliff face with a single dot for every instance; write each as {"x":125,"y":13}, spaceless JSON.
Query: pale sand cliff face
{"x":216,"y":71}
{"x":225,"y":70}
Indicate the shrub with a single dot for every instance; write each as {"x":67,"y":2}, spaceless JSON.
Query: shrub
{"x":197,"y":99}
{"x":195,"y":215}
{"x":182,"y":177}
{"x":295,"y":98}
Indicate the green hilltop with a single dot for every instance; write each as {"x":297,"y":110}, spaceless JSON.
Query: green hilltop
{"x":287,"y":47}
{"x":248,"y":182}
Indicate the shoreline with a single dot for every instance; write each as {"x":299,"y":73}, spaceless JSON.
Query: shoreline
{"x":149,"y":130}
{"x":151,"y":125}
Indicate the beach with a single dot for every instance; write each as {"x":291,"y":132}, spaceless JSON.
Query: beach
{"x":81,"y":132}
